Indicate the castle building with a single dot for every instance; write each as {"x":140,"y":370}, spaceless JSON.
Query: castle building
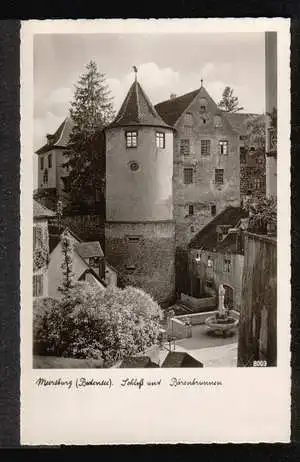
{"x":170,"y":169}
{"x":51,"y":170}
{"x":139,"y":228}
{"x":206,"y":161}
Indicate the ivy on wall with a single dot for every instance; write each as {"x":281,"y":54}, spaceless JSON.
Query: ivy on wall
{"x":41,"y":248}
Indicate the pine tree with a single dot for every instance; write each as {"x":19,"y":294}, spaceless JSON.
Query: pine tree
{"x":91,"y":111}
{"x":229,"y":102}
{"x":66,"y":266}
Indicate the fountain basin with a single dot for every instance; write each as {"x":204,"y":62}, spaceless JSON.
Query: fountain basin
{"x":221,"y":326}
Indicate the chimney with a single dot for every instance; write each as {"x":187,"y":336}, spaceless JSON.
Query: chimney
{"x":173,"y":96}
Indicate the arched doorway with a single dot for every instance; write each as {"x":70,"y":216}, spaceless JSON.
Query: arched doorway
{"x":228,"y":300}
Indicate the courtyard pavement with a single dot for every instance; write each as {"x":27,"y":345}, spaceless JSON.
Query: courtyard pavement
{"x":210,"y":350}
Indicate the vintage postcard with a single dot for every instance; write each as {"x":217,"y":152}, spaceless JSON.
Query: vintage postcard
{"x":155,"y":231}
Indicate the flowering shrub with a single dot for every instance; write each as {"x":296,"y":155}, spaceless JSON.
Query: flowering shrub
{"x":110,"y":324}
{"x":263,"y":216}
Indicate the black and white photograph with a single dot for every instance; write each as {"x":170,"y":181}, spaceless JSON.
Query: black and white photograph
{"x":154,"y":207}
{"x":154,"y":195}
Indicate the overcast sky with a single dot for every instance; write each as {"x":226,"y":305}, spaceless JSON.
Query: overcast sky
{"x":167,"y":64}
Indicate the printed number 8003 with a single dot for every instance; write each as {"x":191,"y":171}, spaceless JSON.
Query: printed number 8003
{"x":260,"y":363}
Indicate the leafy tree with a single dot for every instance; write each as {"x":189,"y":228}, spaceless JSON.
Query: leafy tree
{"x":110,"y":324}
{"x":91,"y":111}
{"x":263,"y":216}
{"x":68,"y":276}
{"x":229,"y":102}
{"x":255,"y":132}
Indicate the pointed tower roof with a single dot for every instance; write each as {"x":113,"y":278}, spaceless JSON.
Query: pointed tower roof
{"x":60,"y":138}
{"x":137,"y":109}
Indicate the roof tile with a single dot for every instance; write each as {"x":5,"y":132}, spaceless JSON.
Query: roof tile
{"x":207,"y":237}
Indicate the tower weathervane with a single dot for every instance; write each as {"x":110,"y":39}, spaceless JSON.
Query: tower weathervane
{"x":135,"y":71}
{"x":201,"y":82}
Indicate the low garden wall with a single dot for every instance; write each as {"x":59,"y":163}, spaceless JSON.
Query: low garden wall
{"x":177,"y":328}
{"x":199,"y":304}
{"x":199,"y":318}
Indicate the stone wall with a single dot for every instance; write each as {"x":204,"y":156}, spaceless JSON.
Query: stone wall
{"x":88,"y":227}
{"x":199,"y":304}
{"x":258,"y":325}
{"x":144,"y":256}
{"x":203,"y":193}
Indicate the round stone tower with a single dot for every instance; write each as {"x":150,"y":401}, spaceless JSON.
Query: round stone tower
{"x":139,"y":229}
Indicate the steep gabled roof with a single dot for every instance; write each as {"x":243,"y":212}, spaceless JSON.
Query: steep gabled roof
{"x":60,"y":138}
{"x":173,"y":108}
{"x":180,"y":359}
{"x":137,"y":362}
{"x":137,"y":110}
{"x":40,"y":211}
{"x":232,"y":243}
{"x":207,"y":238}
{"x":89,"y":249}
{"x":238,"y":120}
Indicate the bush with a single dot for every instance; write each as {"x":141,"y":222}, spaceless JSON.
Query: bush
{"x":263,"y":216}
{"x":110,"y":324}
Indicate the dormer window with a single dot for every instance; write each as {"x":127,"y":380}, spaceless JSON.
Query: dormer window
{"x":131,"y":139}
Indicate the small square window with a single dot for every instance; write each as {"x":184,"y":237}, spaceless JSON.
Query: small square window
{"x":205,"y":147}
{"x":219,"y":176}
{"x":131,"y":139}
{"x":223,"y":147}
{"x":213,"y":210}
{"x":188,"y":175}
{"x":191,"y":209}
{"x":185,"y":147}
{"x":160,"y":140}
{"x":133,"y":239}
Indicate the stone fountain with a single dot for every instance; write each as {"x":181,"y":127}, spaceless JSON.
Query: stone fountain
{"x":221,"y":323}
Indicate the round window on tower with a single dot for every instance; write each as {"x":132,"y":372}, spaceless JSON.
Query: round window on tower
{"x":134,"y":166}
